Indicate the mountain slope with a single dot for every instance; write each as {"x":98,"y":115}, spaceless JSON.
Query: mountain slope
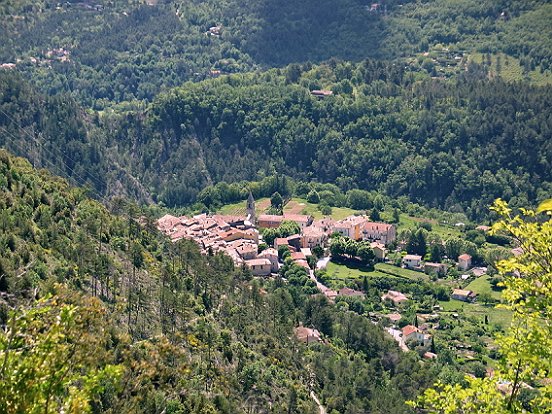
{"x":176,"y":331}
{"x":104,"y":52}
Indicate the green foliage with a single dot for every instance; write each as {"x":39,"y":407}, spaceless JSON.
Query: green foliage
{"x":526,"y":346}
{"x":344,"y":248}
{"x":53,"y":359}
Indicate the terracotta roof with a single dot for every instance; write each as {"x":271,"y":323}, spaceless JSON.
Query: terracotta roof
{"x":409,"y":329}
{"x":394,"y":317}
{"x":378,"y":226}
{"x":258,"y":262}
{"x":298,"y":256}
{"x":268,"y":252}
{"x":271,"y":217}
{"x":297,"y":217}
{"x":349,"y":292}
{"x":464,"y":257}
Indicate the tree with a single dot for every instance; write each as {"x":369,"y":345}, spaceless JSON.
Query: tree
{"x":453,"y":248}
{"x":417,"y":243}
{"x":526,"y":347}
{"x":436,"y":253}
{"x":375,"y":215}
{"x":51,"y":357}
{"x":366,"y":254}
{"x":276,"y":201}
{"x":485,"y":297}
{"x":313,"y":197}
{"x":396,"y":215}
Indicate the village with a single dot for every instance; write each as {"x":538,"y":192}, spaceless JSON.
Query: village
{"x":241,"y":238}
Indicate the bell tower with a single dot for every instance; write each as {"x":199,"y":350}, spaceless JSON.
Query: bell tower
{"x":250,"y":211}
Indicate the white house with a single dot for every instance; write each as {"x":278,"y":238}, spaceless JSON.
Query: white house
{"x":411,"y":333}
{"x":412,"y":261}
{"x":463,"y":295}
{"x":259,"y":267}
{"x":272,"y":255}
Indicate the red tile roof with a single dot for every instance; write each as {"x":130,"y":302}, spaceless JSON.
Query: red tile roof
{"x":409,"y":329}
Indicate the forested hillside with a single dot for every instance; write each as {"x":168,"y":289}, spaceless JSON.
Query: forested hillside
{"x":454,"y":144}
{"x":171,"y":330}
{"x":104,"y":52}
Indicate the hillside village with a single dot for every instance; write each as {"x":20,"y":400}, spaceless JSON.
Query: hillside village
{"x":241,"y":238}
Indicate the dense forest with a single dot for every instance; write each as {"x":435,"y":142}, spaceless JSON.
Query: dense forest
{"x":103,"y":52}
{"x":400,"y":109}
{"x":454,"y":144}
{"x":171,"y":330}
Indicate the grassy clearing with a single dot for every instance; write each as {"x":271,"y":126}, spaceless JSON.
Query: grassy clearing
{"x":302,"y":206}
{"x":400,"y":272}
{"x":445,"y":232}
{"x":239,"y":208}
{"x":499,"y":316}
{"x":481,"y":285}
{"x":295,"y":206}
{"x":509,"y":69}
{"x":351,"y":272}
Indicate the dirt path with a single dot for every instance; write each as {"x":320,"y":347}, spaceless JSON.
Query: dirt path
{"x":317,"y":401}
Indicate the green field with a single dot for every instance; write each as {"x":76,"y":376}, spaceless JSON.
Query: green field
{"x":482,"y":284}
{"x":400,"y":272}
{"x":509,"y":69}
{"x":239,"y":207}
{"x":445,"y":232}
{"x":295,"y":205}
{"x":496,"y":315}
{"x":350,"y":272}
{"x":302,"y":206}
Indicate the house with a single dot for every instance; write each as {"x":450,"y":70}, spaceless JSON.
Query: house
{"x":394,"y":317}
{"x":259,"y":267}
{"x":280,"y":241}
{"x":395,"y":296}
{"x":167,"y":222}
{"x":411,"y":333}
{"x":379,"y":250}
{"x":272,"y":255}
{"x":307,"y":335}
{"x":321,"y":93}
{"x":298,"y":256}
{"x":247,"y":251}
{"x":382,"y":232}
{"x":296,"y":241}
{"x":303,"y":220}
{"x":235,"y":234}
{"x":435,"y":268}
{"x":464,"y":261}
{"x":479,"y":271}
{"x":484,"y":229}
{"x":269,"y":221}
{"x":313,"y":236}
{"x":412,"y":261}
{"x":430,"y":355}
{"x":325,"y":224}
{"x":303,"y":263}
{"x":350,"y":292}
{"x":463,"y":295}
{"x":351,"y":227}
